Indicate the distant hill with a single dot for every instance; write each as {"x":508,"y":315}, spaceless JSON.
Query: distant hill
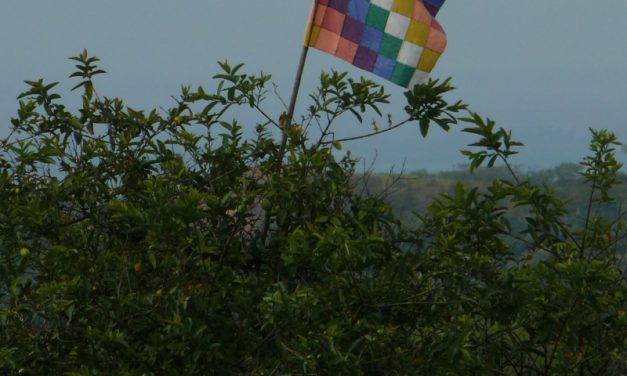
{"x":410,"y":194}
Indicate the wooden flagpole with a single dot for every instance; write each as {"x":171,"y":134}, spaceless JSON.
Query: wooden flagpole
{"x":290,"y":111}
{"x":296,"y":88}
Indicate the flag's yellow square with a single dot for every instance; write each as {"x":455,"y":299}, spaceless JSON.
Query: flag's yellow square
{"x":417,"y":33}
{"x":404,"y":7}
{"x":428,"y":60}
{"x":312,"y":36}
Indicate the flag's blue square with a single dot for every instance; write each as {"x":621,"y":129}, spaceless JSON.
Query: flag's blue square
{"x":384,"y":67}
{"x":358,"y":9}
{"x":433,"y":6}
{"x":371,"y":38}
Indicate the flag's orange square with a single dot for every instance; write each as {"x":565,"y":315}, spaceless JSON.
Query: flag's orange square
{"x":346,"y":50}
{"x":333,"y":21}
{"x":327,"y":41}
{"x":436,"y":40}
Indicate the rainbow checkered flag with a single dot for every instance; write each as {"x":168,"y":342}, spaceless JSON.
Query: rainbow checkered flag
{"x":399,"y":40}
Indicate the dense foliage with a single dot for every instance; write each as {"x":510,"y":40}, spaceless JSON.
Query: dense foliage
{"x":165,"y":242}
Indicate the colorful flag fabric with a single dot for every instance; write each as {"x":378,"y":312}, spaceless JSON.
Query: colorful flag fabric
{"x":399,"y":40}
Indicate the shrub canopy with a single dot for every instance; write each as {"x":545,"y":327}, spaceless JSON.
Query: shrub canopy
{"x":166,"y":242}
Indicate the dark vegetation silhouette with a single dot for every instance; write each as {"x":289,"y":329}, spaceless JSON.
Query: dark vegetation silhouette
{"x":165,"y":242}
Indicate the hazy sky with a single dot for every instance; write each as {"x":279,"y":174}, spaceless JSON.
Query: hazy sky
{"x":548,"y":70}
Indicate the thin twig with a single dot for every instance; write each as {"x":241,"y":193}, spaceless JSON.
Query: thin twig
{"x":368,"y":134}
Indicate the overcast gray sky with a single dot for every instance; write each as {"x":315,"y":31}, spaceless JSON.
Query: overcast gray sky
{"x":548,"y":70}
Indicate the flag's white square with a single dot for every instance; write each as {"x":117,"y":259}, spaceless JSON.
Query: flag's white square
{"x":385,"y":4}
{"x":409,"y":54}
{"x":397,"y":25}
{"x":418,"y":78}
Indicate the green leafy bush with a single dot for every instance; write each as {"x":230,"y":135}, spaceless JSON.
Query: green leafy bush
{"x":166,"y":242}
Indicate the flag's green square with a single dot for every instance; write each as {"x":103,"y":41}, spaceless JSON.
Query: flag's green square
{"x":377,"y":17}
{"x":390,"y":45}
{"x":402,"y":74}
